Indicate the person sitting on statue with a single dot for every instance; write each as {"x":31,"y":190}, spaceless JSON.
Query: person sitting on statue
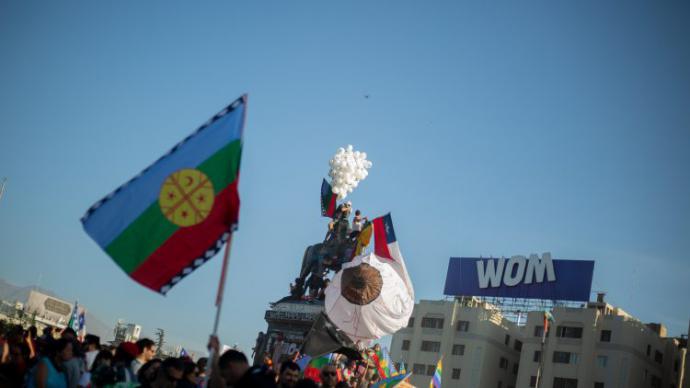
{"x":358,"y":223}
{"x":339,"y":226}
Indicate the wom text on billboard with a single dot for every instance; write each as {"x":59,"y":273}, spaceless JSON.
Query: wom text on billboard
{"x":520,"y":277}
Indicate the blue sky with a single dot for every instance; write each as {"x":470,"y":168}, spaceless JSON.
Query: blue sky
{"x":495,"y":128}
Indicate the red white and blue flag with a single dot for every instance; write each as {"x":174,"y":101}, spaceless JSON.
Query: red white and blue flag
{"x":386,"y":246}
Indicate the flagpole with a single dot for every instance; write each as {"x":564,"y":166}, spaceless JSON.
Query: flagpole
{"x":219,"y":303}
{"x":541,"y":354}
{"x":221,"y":284}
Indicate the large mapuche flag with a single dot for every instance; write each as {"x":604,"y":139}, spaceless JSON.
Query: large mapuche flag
{"x":177,"y":213}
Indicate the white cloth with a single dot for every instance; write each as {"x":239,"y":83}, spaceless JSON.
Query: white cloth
{"x":386,"y":314}
{"x":357,"y":224}
{"x":90,"y":358}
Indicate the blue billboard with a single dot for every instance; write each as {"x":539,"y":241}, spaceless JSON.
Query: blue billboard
{"x":520,"y":277}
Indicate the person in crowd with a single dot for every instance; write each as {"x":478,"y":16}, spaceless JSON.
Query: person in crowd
{"x":329,"y":376}
{"x":74,"y":367}
{"x":122,"y":361}
{"x":148,"y":372}
{"x":50,"y":370}
{"x":190,"y":376}
{"x":15,"y":363}
{"x":201,"y":365}
{"x":232,"y":369}
{"x":289,"y":374}
{"x":47,"y":333}
{"x":101,"y":372}
{"x":169,"y":374}
{"x":306,"y":383}
{"x":33,"y":332}
{"x":91,"y":350}
{"x":146,"y":352}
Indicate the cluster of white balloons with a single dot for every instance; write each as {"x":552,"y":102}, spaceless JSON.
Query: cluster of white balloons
{"x":348,"y":168}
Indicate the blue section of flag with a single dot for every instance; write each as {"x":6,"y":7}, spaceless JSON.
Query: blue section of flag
{"x":126,"y":203}
{"x":82,"y":321}
{"x":183,"y":353}
{"x":388,"y":225}
{"x":303,"y":362}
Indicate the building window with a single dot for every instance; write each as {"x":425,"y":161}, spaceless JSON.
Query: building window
{"x":406,"y":345}
{"x":430,"y":370}
{"x":656,"y":382}
{"x":431,"y":346}
{"x":458,"y":349}
{"x":517,"y":345}
{"x":419,"y":369}
{"x":463,"y":326}
{"x":503,"y":363}
{"x":538,"y":331}
{"x":675,"y":366}
{"x":598,"y":385}
{"x":456,"y":374}
{"x":516,"y":368}
{"x":602,"y":361}
{"x":537,"y":356}
{"x":569,"y":332}
{"x":658,"y":357}
{"x":533,"y":381}
{"x":432,"y":323}
{"x":410,"y":323}
{"x":565,"y":358}
{"x":561,"y":382}
{"x":500,"y":384}
{"x":649,"y":350}
{"x":605,"y":336}
{"x":507,"y":340}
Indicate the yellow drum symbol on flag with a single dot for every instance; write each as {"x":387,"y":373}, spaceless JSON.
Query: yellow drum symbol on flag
{"x":186,"y":197}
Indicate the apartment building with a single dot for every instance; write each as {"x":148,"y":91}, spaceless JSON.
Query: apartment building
{"x":480,"y":347}
{"x":599,"y":346}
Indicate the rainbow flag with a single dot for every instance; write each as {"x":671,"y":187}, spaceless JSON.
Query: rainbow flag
{"x":436,"y":380}
{"x":178,"y":212}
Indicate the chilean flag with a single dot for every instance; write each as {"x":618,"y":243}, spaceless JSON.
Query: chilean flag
{"x":386,"y":246}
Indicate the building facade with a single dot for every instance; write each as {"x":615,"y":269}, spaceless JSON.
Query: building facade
{"x":480,"y":348}
{"x":599,"y":346}
{"x":596,"y":345}
{"x":126,"y":332}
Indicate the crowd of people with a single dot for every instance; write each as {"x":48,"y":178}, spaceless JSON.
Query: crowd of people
{"x":58,"y":359}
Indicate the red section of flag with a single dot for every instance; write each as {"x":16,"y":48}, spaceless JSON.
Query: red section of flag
{"x":312,"y":373}
{"x":172,"y":256}
{"x":330,"y":212}
{"x":377,"y":362}
{"x":380,"y":239}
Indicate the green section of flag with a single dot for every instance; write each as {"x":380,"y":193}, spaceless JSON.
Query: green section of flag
{"x":151,"y":229}
{"x":392,"y":381}
{"x":319,"y":362}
